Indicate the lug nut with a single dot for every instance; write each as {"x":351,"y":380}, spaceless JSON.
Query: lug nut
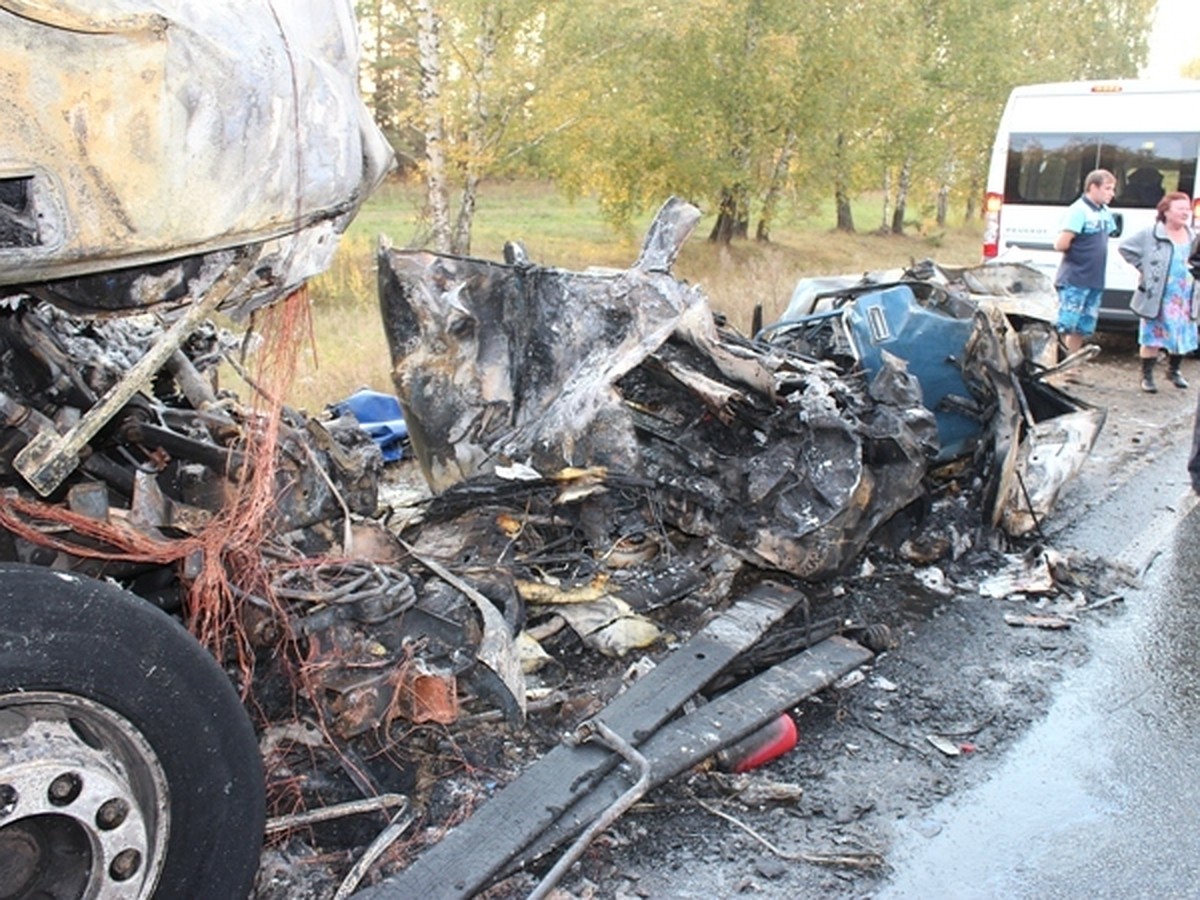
{"x":111,"y":814}
{"x":64,"y":789}
{"x":125,"y":865}
{"x":8,"y":799}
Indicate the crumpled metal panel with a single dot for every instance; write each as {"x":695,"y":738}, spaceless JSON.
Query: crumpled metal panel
{"x":778,"y":457}
{"x":1016,"y":289}
{"x":1038,"y":436}
{"x":928,"y":336}
{"x":518,"y":360}
{"x":136,"y":134}
{"x":1050,"y":453}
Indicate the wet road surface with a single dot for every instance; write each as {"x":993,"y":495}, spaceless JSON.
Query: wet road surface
{"x":1099,"y":799}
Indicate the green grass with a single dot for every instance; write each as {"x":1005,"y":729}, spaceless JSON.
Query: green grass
{"x":350,"y":351}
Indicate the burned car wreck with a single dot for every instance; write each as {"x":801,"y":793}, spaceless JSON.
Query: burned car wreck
{"x":790,"y":448}
{"x":643,"y":475}
{"x":980,"y":343}
{"x":777,"y":457}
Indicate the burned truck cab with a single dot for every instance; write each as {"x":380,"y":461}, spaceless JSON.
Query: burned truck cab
{"x":159,"y":163}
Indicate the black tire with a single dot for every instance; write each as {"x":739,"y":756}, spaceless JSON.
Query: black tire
{"x":108,"y":705}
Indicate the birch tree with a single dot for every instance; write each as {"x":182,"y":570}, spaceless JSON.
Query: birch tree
{"x":737,"y":105}
{"x":429,"y":60}
{"x":471,"y":70}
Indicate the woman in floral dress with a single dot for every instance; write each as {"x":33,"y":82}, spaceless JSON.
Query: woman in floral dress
{"x":1165,"y":299}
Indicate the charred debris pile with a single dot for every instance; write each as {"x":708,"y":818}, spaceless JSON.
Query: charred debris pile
{"x":619,"y":471}
{"x":613,"y":474}
{"x":605,"y":446}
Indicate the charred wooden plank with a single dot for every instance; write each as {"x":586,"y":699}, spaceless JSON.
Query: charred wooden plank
{"x":469,"y":856}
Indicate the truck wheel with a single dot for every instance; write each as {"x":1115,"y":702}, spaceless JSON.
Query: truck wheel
{"x":128,"y":766}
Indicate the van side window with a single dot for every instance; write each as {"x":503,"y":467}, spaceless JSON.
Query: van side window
{"x":1048,"y":169}
{"x":1143,"y":188}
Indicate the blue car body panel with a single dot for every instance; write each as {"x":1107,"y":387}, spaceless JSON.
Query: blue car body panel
{"x":930,"y":341}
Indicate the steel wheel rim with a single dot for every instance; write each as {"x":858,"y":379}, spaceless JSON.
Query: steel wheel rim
{"x":84,"y":803}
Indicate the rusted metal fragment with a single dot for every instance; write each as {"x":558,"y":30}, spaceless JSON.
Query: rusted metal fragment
{"x":432,"y":698}
{"x":365,"y":685}
{"x":381,"y":644}
{"x":497,"y":651}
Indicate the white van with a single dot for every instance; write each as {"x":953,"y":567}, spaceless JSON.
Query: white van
{"x":1147,"y":133}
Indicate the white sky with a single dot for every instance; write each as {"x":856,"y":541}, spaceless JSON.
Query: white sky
{"x":1174,"y":39}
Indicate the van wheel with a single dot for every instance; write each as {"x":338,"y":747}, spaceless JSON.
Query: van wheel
{"x":128,"y":766}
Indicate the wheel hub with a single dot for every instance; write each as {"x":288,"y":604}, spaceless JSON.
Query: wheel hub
{"x":83,"y":801}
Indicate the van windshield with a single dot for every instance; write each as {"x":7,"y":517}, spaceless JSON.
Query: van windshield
{"x":1048,"y":169}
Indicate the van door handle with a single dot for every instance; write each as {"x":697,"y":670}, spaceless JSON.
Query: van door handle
{"x":1119,"y":218}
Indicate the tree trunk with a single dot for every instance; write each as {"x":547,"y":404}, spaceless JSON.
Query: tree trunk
{"x":733,"y":216}
{"x":480,"y":115}
{"x":762,"y":234}
{"x":845,"y":215}
{"x":970,"y":212}
{"x":841,"y":189}
{"x":902,"y":196}
{"x":887,"y":197}
{"x":943,"y":194}
{"x":429,"y":60}
{"x":461,"y":242}
{"x":386,"y":90}
{"x":775,"y":188}
{"x":379,"y":71}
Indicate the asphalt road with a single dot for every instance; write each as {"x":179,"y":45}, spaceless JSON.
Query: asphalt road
{"x":1099,"y":798}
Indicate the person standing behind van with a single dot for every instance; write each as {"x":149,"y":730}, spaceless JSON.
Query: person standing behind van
{"x":1193,"y":465}
{"x":1083,"y":243}
{"x":1165,"y":298}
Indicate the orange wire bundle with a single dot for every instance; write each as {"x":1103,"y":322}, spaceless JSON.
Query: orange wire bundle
{"x":231,"y":545}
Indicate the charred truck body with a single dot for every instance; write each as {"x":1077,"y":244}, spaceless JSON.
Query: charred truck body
{"x":158,"y":162}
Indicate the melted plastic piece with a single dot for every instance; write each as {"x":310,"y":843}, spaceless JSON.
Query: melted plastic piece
{"x":773,"y":740}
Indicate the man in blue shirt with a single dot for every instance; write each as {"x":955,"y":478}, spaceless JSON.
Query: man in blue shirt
{"x":1083,"y":243}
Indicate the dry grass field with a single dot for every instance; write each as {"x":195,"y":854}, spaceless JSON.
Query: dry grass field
{"x":348,"y":350}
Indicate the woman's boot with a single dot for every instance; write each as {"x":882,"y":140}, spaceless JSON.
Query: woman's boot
{"x":1173,"y":372}
{"x":1148,"y":375}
